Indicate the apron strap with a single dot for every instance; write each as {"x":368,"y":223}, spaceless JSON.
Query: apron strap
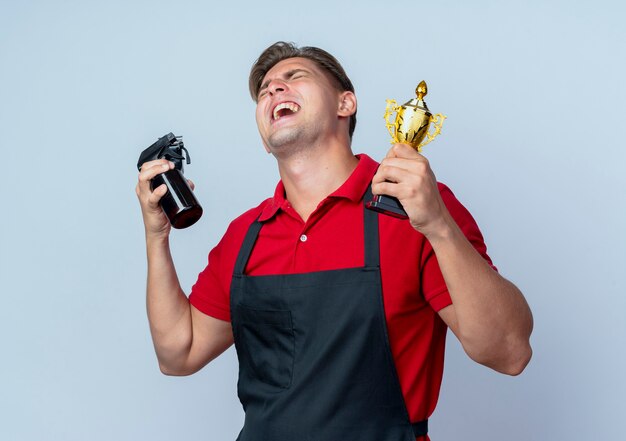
{"x":420,"y":428}
{"x":370,"y":224}
{"x":246,"y":247}
{"x":370,"y":231}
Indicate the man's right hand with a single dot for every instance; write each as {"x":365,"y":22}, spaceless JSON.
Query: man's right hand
{"x":185,"y":339}
{"x":155,"y":221}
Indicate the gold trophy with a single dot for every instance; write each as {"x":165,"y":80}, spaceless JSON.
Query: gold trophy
{"x":411,"y":125}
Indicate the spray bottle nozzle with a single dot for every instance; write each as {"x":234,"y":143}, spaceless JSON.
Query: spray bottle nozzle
{"x":170,"y":147}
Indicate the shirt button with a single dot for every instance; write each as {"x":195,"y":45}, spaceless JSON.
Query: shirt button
{"x":303,"y":238}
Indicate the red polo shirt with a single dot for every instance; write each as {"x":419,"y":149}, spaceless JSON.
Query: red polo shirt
{"x":332,"y":238}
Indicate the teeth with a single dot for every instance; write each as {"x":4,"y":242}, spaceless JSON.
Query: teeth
{"x":291,"y":106}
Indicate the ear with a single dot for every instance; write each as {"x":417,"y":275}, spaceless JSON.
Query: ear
{"x":347,"y":104}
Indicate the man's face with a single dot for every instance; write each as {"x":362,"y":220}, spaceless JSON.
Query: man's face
{"x":297,"y":106}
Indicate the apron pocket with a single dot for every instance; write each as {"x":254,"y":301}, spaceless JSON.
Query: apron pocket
{"x":268,"y":344}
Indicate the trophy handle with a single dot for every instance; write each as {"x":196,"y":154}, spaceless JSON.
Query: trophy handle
{"x":392,"y":106}
{"x":437,"y":122}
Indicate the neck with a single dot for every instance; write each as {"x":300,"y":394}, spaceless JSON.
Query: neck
{"x":309,"y":177}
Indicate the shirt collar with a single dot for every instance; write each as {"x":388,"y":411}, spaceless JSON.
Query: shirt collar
{"x":353,"y":188}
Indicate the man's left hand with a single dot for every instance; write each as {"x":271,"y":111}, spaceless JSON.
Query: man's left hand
{"x":407,"y":176}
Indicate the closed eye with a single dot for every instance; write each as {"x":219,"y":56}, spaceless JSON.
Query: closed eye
{"x":296,"y":73}
{"x":291,"y":75}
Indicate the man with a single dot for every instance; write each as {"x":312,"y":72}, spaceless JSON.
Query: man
{"x":338,"y":314}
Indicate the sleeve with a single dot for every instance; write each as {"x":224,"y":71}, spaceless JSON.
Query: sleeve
{"x":433,"y":285}
{"x":211,"y":292}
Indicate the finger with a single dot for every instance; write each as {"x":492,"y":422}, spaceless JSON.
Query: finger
{"x":393,"y":174}
{"x":404,"y":151}
{"x":386,"y":170}
{"x":156,"y":162}
{"x":156,"y":195}
{"x":149,"y":173}
{"x":391,"y":153}
{"x":161,"y":164}
{"x":417,"y":165}
{"x":191,"y":184}
{"x":387,"y":188}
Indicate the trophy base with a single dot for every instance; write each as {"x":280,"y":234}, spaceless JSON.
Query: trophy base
{"x":387,"y":205}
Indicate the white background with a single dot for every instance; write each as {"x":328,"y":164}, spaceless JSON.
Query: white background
{"x":533,"y":146}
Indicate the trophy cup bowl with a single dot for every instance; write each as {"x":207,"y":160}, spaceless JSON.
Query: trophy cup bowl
{"x":411,"y":126}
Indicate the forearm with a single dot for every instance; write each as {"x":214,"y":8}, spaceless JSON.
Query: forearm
{"x":493,"y":320}
{"x":168,"y":308}
{"x":489,"y":314}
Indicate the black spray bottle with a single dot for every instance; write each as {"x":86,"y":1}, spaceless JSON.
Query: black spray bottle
{"x":179,"y":203}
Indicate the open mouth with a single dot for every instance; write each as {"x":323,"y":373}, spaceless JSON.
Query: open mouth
{"x":284,"y":109}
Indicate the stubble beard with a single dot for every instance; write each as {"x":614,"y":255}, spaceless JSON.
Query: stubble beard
{"x":291,"y":140}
